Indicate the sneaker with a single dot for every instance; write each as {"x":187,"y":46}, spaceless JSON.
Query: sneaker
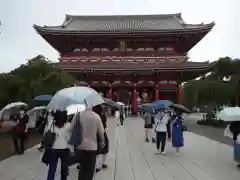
{"x":158,"y":151}
{"x":153,"y":140}
{"x":163,"y":153}
{"x":147,"y":140}
{"x":97,"y":170}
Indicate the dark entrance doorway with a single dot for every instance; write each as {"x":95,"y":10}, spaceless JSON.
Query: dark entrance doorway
{"x":122,"y":95}
{"x":169,"y":95}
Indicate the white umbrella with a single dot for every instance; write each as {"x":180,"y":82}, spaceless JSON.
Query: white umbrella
{"x":75,"y":95}
{"x":10,"y":106}
{"x":72,"y":109}
{"x":121,"y":103}
{"x":229,"y":114}
{"x":35,"y":109}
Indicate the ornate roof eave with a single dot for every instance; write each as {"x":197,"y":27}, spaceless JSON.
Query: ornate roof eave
{"x":187,"y":69}
{"x":58,"y":31}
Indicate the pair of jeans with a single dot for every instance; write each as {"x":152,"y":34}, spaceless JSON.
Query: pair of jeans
{"x":64,"y":156}
{"x":161,"y":139}
{"x":87,"y":162}
{"x":19,"y":142}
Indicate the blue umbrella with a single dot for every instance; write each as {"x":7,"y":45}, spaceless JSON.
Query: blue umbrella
{"x":161,"y":104}
{"x":75,"y":95}
{"x":45,"y":97}
{"x":147,"y":107}
{"x":111,"y":103}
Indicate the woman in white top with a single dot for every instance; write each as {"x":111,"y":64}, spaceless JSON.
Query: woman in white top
{"x":161,"y":121}
{"x":60,"y":149}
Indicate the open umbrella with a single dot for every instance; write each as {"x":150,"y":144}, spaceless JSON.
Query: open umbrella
{"x":162,"y":104}
{"x":45,"y":97}
{"x":121,"y":103}
{"x":180,"y":107}
{"x":111,"y":103}
{"x":35,"y":109}
{"x":12,"y":106}
{"x":229,"y":114}
{"x":147,"y":107}
{"x":72,"y":109}
{"x":75,"y":95}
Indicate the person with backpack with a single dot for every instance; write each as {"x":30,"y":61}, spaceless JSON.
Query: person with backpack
{"x":86,"y":150}
{"x":19,"y":133}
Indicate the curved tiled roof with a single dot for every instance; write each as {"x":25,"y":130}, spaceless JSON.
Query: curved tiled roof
{"x":131,"y":66}
{"x":124,"y":23}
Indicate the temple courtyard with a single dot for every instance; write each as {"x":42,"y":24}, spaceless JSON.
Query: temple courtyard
{"x":130,"y":158}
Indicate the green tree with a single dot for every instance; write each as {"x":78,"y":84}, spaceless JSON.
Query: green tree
{"x":38,"y":76}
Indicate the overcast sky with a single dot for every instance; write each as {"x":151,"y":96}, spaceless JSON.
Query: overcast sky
{"x":19,"y":41}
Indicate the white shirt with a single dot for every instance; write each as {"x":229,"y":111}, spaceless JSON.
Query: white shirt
{"x":62,"y":136}
{"x":161,"y":123}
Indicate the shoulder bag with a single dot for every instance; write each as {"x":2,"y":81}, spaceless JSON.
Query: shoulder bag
{"x":49,"y":137}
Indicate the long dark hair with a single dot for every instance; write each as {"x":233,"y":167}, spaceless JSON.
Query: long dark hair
{"x":60,"y":118}
{"x":97,"y":109}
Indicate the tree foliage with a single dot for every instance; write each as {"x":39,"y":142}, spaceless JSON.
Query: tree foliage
{"x":212,"y":89}
{"x":38,"y":76}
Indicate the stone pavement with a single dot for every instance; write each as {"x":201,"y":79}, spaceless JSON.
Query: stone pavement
{"x":130,"y":158}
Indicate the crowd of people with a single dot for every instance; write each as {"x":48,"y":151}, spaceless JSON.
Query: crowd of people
{"x":90,"y":155}
{"x":162,"y":125}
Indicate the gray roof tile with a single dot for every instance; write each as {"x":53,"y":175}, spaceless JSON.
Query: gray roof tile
{"x":124,"y":23}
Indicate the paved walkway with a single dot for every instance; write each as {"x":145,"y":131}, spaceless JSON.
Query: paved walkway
{"x":130,"y":158}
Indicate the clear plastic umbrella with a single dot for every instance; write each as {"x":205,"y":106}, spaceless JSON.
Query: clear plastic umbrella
{"x":72,"y":109}
{"x":229,"y":114}
{"x":35,"y":109}
{"x":75,"y":95}
{"x":11,"y":106}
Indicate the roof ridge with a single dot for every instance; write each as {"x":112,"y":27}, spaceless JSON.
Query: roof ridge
{"x":123,"y":16}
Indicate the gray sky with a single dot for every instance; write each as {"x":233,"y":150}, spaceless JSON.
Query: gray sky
{"x":19,"y":41}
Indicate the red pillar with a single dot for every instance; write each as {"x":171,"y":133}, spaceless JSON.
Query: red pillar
{"x":109,"y":94}
{"x":156,"y":93}
{"x":134,"y":100}
{"x":179,"y":94}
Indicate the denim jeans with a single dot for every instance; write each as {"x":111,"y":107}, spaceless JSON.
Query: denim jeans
{"x":64,"y":156}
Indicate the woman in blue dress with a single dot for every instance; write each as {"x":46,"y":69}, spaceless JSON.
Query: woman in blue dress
{"x":177,"y":132}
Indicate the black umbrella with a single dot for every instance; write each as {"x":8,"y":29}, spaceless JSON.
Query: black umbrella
{"x":180,"y":107}
{"x":111,"y":103}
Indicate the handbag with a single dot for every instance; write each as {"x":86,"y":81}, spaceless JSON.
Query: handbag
{"x":49,"y":137}
{"x":76,"y":135}
{"x":46,"y":156}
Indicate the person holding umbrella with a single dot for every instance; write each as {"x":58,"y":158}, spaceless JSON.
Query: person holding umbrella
{"x":161,"y":121}
{"x":231,"y":115}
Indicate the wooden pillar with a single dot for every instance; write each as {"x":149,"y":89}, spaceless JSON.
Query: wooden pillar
{"x":134,"y":100}
{"x":179,"y":94}
{"x":156,"y":92}
{"x":110,"y":94}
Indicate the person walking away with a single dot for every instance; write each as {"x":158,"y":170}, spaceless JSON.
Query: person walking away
{"x":125,"y":111}
{"x":19,"y":133}
{"x":60,"y":149}
{"x":121,"y":116}
{"x":161,"y":120}
{"x":153,"y":131}
{"x":147,"y":125}
{"x":91,"y":124}
{"x":102,"y":152}
{"x":177,"y":132}
{"x":41,"y":123}
{"x":235,"y":130}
